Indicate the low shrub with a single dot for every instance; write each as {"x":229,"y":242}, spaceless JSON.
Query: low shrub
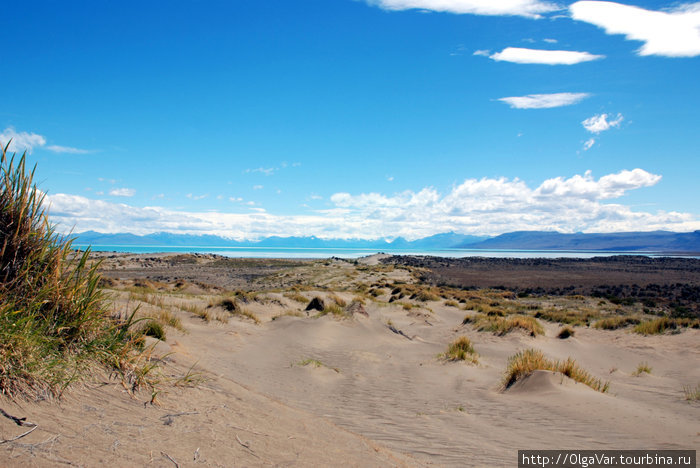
{"x":565,"y":333}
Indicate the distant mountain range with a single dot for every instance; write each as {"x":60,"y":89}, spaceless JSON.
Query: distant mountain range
{"x":658,"y":241}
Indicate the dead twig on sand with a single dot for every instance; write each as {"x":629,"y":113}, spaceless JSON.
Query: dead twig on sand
{"x":247,"y":446}
{"x":19,"y":422}
{"x":171,"y":459}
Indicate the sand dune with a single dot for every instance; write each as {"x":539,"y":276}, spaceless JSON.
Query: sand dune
{"x":305,"y":390}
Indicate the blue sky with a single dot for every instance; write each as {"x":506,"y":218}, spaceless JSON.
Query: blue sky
{"x":351,"y":118}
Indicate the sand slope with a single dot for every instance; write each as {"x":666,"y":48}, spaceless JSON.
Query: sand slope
{"x":396,"y":391}
{"x":300,"y":390}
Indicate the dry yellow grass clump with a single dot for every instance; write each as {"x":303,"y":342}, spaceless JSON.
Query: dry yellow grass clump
{"x":461,"y":349}
{"x":525,"y":362}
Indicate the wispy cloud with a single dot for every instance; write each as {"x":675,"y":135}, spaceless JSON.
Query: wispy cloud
{"x":268,"y":171}
{"x":545,"y":57}
{"x":258,"y":187}
{"x":66,"y":149}
{"x":196,"y":197}
{"x":600,"y":123}
{"x":482,"y":53}
{"x":122,"y":192}
{"x":20,"y":141}
{"x":588,"y":144}
{"x":527,"y":8}
{"x":26,"y":141}
{"x":476,"y":206}
{"x":671,"y":33}
{"x":544,"y":101}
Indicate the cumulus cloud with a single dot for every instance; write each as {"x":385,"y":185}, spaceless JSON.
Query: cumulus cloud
{"x":545,"y":57}
{"x":25,"y":141}
{"x":671,"y":33}
{"x":527,"y":8}
{"x":122,"y":192}
{"x":600,"y":123}
{"x":476,"y":206}
{"x":544,"y":101}
{"x":20,"y":141}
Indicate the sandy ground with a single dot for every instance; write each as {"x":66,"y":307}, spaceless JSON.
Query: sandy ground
{"x":300,"y":390}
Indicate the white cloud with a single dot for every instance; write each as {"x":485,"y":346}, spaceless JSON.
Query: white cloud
{"x":483,"y":53}
{"x":546,"y":57}
{"x":20,"y":141}
{"x":600,"y":123}
{"x":544,"y":101}
{"x":192,"y":196}
{"x":588,"y":144}
{"x":66,"y":149}
{"x":268,"y":171}
{"x":550,"y":41}
{"x":672,"y":33}
{"x":258,"y":187}
{"x":122,"y":192}
{"x":25,"y":141}
{"x":528,"y":8}
{"x":477,"y":206}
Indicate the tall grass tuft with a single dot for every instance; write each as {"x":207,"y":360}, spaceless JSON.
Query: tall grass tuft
{"x":53,"y":322}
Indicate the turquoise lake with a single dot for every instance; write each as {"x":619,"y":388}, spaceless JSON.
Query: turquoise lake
{"x":280,"y":252}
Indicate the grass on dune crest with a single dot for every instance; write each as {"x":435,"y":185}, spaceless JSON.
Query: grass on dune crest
{"x":523,"y":363}
{"x":54,"y":324}
{"x":661,"y":325}
{"x":613,"y":323}
{"x":504,"y":325}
